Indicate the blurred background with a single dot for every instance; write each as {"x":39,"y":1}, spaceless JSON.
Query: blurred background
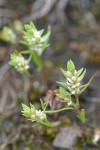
{"x":75,"y":35}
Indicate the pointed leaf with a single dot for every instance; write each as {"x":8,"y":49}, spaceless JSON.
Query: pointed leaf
{"x":63,"y":91}
{"x":42,"y":105}
{"x":25,"y":107}
{"x":81,"y":116}
{"x":86,"y":85}
{"x":79,"y":72}
{"x":62,"y":83}
{"x":64,"y":72}
{"x":48,"y":124}
{"x":70,"y":66}
{"x":82,"y":75}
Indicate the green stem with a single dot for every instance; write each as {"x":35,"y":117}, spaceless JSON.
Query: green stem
{"x":80,"y":112}
{"x":55,"y":111}
{"x":37,"y":60}
{"x":27,"y":73}
{"x":77,"y":102}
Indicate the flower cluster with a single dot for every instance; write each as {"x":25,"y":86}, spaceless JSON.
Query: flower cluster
{"x":73,"y":78}
{"x":8,"y":35}
{"x":38,"y":113}
{"x":34,"y":115}
{"x":34,"y":40}
{"x":73,"y":82}
{"x":19,"y":62}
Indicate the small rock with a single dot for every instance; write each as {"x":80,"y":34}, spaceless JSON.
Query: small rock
{"x":67,"y":137}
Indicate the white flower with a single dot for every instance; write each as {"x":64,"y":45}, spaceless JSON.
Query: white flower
{"x":69,"y":80}
{"x":66,"y":99}
{"x":39,"y":51}
{"x":69,"y":103}
{"x":77,"y":84}
{"x":40,"y":45}
{"x":74,"y":86}
{"x":73,"y":82}
{"x":75,"y":72}
{"x":78,"y":91}
{"x":74,"y":78}
{"x":40,"y":114}
{"x":73,"y":92}
{"x":68,"y":73}
{"x":33,"y":117}
{"x":37,"y":34}
{"x":36,"y":46}
{"x":33,"y":40}
{"x":22,"y":64}
{"x":70,"y":88}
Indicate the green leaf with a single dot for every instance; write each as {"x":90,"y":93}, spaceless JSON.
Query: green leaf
{"x":70,"y":66}
{"x":82,"y":75}
{"x":29,"y":26}
{"x":35,"y":125}
{"x":63,"y":91}
{"x":81,"y":116}
{"x":32,"y":108}
{"x":86,"y":85}
{"x":79,"y":72}
{"x":45,"y":38}
{"x":26,"y":113}
{"x":43,"y":105}
{"x":46,"y":123}
{"x":64,"y":73}
{"x":32,"y":25}
{"x":26,"y":52}
{"x":23,"y":42}
{"x":62,"y":83}
{"x":41,"y":32}
{"x":25,"y":107}
{"x":61,"y":96}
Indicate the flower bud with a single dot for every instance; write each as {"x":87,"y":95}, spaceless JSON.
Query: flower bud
{"x":74,"y":78}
